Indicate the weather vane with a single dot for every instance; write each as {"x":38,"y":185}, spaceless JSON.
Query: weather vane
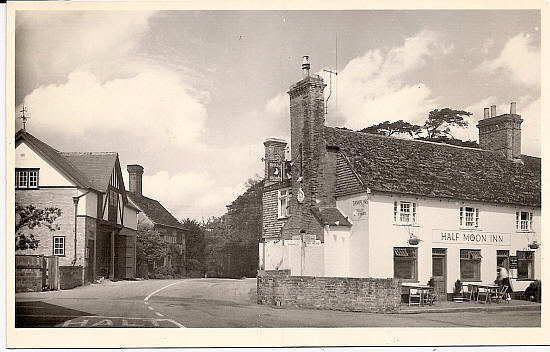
{"x":23,"y":116}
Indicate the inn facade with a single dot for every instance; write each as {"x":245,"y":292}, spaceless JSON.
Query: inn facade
{"x":350,"y":204}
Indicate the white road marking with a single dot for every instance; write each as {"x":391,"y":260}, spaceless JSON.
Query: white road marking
{"x":159,"y":314}
{"x":146,"y":302}
{"x":151,"y":308}
{"x":160,"y":289}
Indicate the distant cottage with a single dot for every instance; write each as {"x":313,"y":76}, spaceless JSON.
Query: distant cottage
{"x":89,"y":190}
{"x":350,"y":204}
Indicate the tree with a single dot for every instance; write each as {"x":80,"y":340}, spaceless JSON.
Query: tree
{"x":439,"y":122}
{"x":194,"y":241}
{"x":30,"y":217}
{"x":150,"y":246}
{"x":387,"y":128}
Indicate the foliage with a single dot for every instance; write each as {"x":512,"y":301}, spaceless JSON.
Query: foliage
{"x":150,"y":246}
{"x":163,"y":272}
{"x":439,"y":122}
{"x":451,"y":141}
{"x":194,"y":240}
{"x":387,"y":128}
{"x":30,"y":217}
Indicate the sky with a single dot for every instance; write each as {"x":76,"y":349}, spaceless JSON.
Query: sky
{"x":192,"y":95}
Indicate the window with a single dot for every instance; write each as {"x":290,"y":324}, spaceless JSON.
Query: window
{"x":26,"y":178}
{"x":404,"y":263}
{"x":404,"y":212}
{"x":524,"y":221}
{"x":526,"y":265}
{"x":284,"y":203}
{"x":469,"y":217}
{"x":59,"y":245}
{"x":113,"y":198}
{"x":470,"y":264}
{"x":503,"y":259}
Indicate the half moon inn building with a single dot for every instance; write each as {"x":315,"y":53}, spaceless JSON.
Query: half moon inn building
{"x":350,"y":204}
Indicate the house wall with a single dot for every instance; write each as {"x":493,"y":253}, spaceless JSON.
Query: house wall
{"x":272,"y":225}
{"x":433,"y":217}
{"x":130,"y":218}
{"x":25,"y":157}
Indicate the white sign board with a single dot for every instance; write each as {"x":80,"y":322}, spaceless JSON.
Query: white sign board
{"x":471,"y":237}
{"x":359,"y":209}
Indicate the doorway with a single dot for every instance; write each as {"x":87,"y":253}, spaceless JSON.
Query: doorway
{"x":439,"y":272}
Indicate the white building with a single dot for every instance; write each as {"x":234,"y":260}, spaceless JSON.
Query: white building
{"x":363,"y":205}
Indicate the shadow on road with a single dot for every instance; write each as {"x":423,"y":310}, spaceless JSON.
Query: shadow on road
{"x":38,"y":314}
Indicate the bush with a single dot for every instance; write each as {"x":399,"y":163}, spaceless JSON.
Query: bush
{"x":163,"y":272}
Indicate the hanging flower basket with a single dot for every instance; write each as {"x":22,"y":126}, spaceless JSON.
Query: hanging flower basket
{"x":414,"y":241}
{"x":534,"y":245}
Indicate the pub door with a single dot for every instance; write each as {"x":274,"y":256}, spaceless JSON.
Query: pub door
{"x":439,"y":272}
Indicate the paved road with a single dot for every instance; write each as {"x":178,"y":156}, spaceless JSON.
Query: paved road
{"x":198,"y":303}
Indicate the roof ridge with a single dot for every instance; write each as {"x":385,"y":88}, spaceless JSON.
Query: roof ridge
{"x":89,"y":153}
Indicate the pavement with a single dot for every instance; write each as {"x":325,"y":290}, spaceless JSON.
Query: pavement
{"x":213,"y":303}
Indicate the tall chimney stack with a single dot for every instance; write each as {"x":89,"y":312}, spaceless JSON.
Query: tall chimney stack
{"x":135,"y":173}
{"x":493,"y":110}
{"x":486,"y":113}
{"x":501,"y":133}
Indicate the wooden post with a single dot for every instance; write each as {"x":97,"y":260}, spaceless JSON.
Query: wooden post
{"x":112,"y":271}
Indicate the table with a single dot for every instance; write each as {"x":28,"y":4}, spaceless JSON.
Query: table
{"x":491,"y":289}
{"x":424,"y":290}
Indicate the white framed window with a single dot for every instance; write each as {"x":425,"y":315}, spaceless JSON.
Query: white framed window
{"x":526,"y":265}
{"x":26,"y":178}
{"x":404,"y":212}
{"x":283,"y":206}
{"x":470,"y":264}
{"x":524,"y":221}
{"x":469,"y":217}
{"x":59,"y":245}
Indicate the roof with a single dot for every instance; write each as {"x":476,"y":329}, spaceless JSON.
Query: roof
{"x":390,"y":164}
{"x":155,"y":211}
{"x":86,"y":169}
{"x":330,"y":216}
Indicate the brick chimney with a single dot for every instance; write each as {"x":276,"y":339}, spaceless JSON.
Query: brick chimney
{"x":135,"y":173}
{"x":308,"y":150}
{"x":501,"y":133}
{"x":274,"y":157}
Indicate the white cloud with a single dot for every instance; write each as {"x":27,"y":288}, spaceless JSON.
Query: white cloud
{"x":371,"y":87}
{"x":519,"y":58}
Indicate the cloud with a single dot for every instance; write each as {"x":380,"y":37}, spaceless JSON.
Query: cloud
{"x":519,"y":58}
{"x":371,"y":87}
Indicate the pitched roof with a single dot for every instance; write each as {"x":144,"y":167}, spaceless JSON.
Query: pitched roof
{"x":97,"y":167}
{"x":414,"y":167}
{"x":155,"y":211}
{"x":330,"y":216}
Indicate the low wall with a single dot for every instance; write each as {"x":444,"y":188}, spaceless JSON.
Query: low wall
{"x":28,"y":273}
{"x":70,"y":276}
{"x":373,"y":295}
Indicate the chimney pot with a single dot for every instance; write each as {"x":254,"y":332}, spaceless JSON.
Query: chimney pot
{"x":486,"y":113}
{"x":305,"y":66}
{"x":513,"y":108}
{"x":493,"y":110}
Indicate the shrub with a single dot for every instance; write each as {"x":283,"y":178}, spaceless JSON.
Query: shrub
{"x":163,"y":272}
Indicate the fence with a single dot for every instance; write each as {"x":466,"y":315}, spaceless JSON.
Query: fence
{"x":35,"y":273}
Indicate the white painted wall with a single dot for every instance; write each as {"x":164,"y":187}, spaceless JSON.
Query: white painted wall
{"x":337,"y":251}
{"x":130,"y":218}
{"x":25,"y":157}
{"x":436,"y":214}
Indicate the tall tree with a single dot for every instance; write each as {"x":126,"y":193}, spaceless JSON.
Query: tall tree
{"x":388,"y":128}
{"x":439,"y":122}
{"x":194,"y":242}
{"x":30,"y":217}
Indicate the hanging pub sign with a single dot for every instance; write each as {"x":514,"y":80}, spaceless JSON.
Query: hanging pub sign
{"x":275,"y":172}
{"x":471,"y":237}
{"x":359,"y":209}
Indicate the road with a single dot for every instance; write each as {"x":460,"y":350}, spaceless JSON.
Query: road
{"x":201,"y":303}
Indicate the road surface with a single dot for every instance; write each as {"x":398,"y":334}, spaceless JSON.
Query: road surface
{"x":202,"y":303}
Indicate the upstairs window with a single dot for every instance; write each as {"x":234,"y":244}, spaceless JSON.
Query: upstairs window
{"x":524,"y":221}
{"x":113,"y":198}
{"x":284,"y":196}
{"x":26,"y":178}
{"x":469,"y":217}
{"x":404,"y":212}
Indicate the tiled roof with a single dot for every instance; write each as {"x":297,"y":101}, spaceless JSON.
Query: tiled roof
{"x":404,"y":166}
{"x":330,"y":216}
{"x":155,"y":211}
{"x":97,"y":167}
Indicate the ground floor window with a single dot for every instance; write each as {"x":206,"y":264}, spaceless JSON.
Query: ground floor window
{"x":470,"y":264}
{"x":59,"y":245}
{"x":503,"y":259}
{"x":526,"y":265}
{"x":405,"y":263}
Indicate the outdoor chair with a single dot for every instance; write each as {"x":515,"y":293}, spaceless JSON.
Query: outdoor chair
{"x":499,"y":295}
{"x":468,"y":294}
{"x":483,"y":295}
{"x":415,"y":296}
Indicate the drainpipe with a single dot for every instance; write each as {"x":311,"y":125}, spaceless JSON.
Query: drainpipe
{"x":75,"y":201}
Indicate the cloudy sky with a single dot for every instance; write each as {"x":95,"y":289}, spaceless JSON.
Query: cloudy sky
{"x":192,"y":95}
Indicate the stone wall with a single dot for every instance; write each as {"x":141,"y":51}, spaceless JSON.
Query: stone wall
{"x":70,"y":276}
{"x":373,"y":295}
{"x":28,"y":273}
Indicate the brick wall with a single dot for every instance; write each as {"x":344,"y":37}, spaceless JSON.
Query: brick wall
{"x":62,"y":199}
{"x":501,"y":133}
{"x":70,"y":276}
{"x":28,"y":273}
{"x":333,"y":293}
